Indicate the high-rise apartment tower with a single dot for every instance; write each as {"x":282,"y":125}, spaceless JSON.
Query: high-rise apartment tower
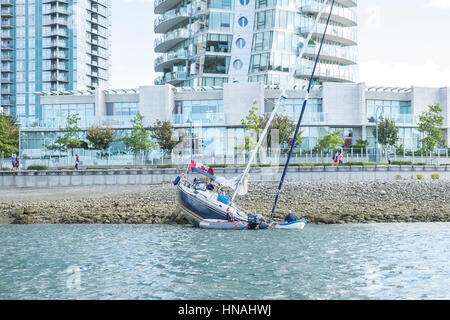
{"x":211,"y":42}
{"x":51,"y":45}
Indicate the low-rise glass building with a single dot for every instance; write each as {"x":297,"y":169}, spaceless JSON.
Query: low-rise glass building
{"x":212,"y":116}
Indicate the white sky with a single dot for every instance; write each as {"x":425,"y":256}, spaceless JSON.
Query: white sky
{"x":401,"y":43}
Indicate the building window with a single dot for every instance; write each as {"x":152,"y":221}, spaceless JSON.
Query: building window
{"x":240,"y":43}
{"x":237,"y":64}
{"x":243,"y":21}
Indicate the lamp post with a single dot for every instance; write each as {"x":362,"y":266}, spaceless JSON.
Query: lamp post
{"x":191,"y":140}
{"x":19,"y":153}
{"x":377,"y":158}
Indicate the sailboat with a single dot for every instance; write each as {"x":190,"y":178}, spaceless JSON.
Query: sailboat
{"x":204,"y":202}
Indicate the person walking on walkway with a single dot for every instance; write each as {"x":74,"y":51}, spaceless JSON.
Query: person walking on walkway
{"x":388,"y":157}
{"x":16,"y":166}
{"x":341,"y":159}
{"x":336,"y":158}
{"x":13,"y":161}
{"x":77,"y":161}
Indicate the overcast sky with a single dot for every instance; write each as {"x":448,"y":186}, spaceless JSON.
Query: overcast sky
{"x":401,"y":43}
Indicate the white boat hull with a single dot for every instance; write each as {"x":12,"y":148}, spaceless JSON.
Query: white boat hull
{"x":294,"y":225}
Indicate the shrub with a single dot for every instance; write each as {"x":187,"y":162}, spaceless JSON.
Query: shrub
{"x":435,"y":176}
{"x":37,"y":167}
{"x":402,"y":163}
{"x":354,"y":163}
{"x":165,"y":166}
{"x":420,"y":177}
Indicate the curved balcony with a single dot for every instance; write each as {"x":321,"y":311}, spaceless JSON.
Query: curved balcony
{"x":348,"y":3}
{"x":341,"y":55}
{"x":344,"y":36}
{"x":345,"y":16}
{"x":168,"y":59}
{"x":170,"y":19}
{"x":161,"y":6}
{"x":7,"y":3}
{"x":326,"y":72}
{"x":164,"y":42}
{"x":172,"y":78}
{"x":6,"y":12}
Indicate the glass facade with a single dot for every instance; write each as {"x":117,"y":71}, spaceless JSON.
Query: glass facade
{"x":120,"y":113}
{"x":399,"y":111}
{"x":199,"y":112}
{"x":55,"y":115}
{"x":292,"y":108}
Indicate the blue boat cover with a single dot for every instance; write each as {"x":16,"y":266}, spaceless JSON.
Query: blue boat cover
{"x":203,"y":173}
{"x":223,"y":199}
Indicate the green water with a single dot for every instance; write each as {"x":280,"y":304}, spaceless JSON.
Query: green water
{"x":372,"y":261}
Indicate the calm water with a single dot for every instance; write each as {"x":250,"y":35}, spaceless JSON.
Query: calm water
{"x":375,"y":261}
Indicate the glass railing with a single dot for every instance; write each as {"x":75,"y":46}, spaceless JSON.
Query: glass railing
{"x":204,"y":118}
{"x":48,"y":20}
{"x":345,"y":53}
{"x":330,"y":71}
{"x":181,"y":54}
{"x":158,"y":2}
{"x":178,"y":33}
{"x":117,"y":121}
{"x":400,"y":119}
{"x":308,"y":117}
{"x":176,"y":75}
{"x":312,"y":6}
{"x":178,"y":12}
{"x":333,"y":31}
{"x":6,"y":11}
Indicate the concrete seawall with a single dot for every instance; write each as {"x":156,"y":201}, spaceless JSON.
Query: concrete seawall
{"x":61,"y":178}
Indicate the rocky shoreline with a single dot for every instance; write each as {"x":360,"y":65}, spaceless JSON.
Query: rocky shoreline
{"x":317,"y":202}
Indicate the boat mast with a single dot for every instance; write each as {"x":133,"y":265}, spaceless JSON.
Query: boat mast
{"x":278,"y":103}
{"x":301,"y":116}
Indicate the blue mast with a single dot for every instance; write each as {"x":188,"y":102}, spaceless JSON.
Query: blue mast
{"x":301,"y":117}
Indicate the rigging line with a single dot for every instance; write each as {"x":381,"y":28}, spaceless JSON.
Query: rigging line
{"x":278,"y":103}
{"x":301,"y":116}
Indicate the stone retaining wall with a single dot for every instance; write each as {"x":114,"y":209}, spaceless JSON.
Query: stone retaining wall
{"x":61,"y":178}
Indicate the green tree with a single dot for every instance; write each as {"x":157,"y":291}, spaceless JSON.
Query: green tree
{"x":68,"y":139}
{"x":284,"y":125}
{"x":9,"y":135}
{"x":100,"y":138}
{"x":138,"y":139}
{"x":329,"y":142}
{"x":387,"y":132}
{"x":163,"y":134}
{"x":429,"y":123}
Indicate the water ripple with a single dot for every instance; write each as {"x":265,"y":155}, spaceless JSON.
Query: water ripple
{"x":372,"y":261}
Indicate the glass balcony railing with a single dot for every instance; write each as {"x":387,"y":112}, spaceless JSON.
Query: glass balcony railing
{"x":172,"y":56}
{"x":330,"y":72}
{"x":400,"y":119}
{"x":170,"y":19}
{"x":343,"y":15}
{"x":173,"y":36}
{"x":204,"y":118}
{"x":160,"y":6}
{"x":308,"y":117}
{"x":345,"y":55}
{"x":7,"y":2}
{"x":346,"y":36}
{"x":118,"y":121}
